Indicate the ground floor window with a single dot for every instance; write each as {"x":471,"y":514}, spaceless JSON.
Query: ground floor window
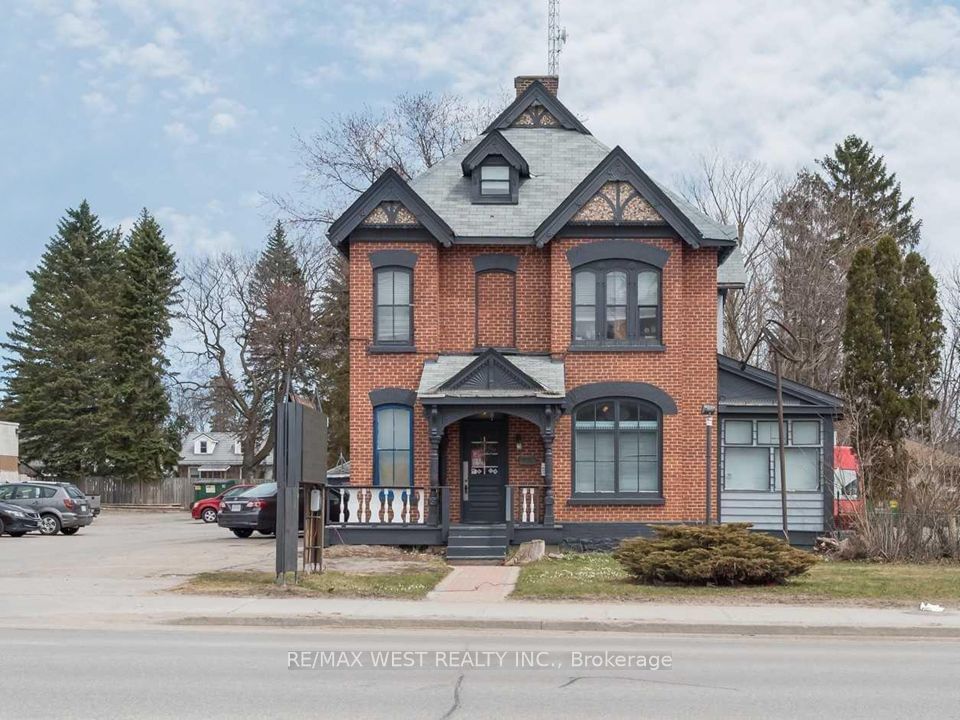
{"x":393,"y":446}
{"x":751,"y":459}
{"x":616,"y":448}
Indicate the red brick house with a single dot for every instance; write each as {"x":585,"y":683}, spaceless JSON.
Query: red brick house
{"x":533,"y":347}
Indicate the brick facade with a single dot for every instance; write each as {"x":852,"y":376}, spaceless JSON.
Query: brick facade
{"x":445,"y":293}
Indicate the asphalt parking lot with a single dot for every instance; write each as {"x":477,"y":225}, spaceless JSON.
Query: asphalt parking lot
{"x":127,"y":552}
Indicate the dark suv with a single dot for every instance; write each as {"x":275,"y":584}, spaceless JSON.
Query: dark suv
{"x":61,"y":506}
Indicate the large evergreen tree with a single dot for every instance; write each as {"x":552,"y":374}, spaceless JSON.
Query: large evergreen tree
{"x":331,"y":365}
{"x":892,"y":338}
{"x":143,"y":444}
{"x":59,"y":351}
{"x":868,"y":195}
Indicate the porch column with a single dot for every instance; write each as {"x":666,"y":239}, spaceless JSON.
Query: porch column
{"x":548,"y":434}
{"x":436,"y":436}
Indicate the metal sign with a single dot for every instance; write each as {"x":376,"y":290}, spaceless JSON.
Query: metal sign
{"x":301,"y":456}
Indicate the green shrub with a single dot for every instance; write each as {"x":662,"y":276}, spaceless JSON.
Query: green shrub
{"x":712,"y":555}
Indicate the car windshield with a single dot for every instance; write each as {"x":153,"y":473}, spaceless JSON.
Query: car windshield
{"x":234,"y":491}
{"x":264,"y":490}
{"x":74,"y":492}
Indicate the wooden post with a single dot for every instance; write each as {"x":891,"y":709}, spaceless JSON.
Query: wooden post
{"x":782,"y":441}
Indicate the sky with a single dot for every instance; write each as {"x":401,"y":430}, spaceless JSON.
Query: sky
{"x":190,"y":107}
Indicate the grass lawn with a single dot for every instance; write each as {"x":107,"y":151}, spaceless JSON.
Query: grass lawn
{"x":597,"y":576}
{"x":408,"y":584}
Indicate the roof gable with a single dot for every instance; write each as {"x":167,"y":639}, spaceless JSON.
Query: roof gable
{"x":740,"y":384}
{"x":495,"y":144}
{"x":537,"y":94}
{"x":491,"y":371}
{"x":389,"y":188}
{"x":617,"y":166}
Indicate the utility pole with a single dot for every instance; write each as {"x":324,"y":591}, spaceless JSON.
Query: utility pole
{"x":556,"y":37}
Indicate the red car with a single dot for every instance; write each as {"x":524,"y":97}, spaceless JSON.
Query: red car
{"x":209,"y":508}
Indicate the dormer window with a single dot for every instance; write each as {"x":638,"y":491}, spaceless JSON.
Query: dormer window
{"x":203,"y":447}
{"x":495,"y":167}
{"x":494,"y":180}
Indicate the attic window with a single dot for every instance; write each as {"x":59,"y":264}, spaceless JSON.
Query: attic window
{"x":203,"y":447}
{"x":495,"y":181}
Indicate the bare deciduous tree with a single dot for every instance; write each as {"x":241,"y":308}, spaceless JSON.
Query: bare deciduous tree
{"x":945,"y":422}
{"x":225,"y":308}
{"x":740,"y":193}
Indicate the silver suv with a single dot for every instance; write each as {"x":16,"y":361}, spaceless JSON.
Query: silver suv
{"x":62,"y":507}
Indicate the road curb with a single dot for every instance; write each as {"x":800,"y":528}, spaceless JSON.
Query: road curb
{"x":621,"y":626}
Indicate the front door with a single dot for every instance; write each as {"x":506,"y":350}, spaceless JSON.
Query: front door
{"x":483,"y":473}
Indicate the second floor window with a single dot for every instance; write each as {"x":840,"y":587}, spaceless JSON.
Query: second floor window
{"x":616,"y":303}
{"x":393,"y":313}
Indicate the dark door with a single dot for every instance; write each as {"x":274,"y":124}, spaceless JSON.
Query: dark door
{"x":483,"y":470}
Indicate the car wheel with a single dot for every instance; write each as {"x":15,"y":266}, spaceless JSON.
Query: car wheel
{"x":49,"y":524}
{"x":209,"y":515}
{"x":265,"y":532}
{"x":69,"y":531}
{"x":243,"y":532}
{"x":17,"y":534}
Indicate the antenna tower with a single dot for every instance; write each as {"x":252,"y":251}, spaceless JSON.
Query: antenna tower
{"x":556,"y":37}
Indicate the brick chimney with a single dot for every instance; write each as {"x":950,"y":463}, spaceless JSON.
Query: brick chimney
{"x":550,"y":82}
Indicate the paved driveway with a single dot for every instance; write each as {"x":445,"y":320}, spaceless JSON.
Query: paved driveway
{"x":125,"y":553}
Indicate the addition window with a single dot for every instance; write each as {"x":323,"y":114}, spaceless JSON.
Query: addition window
{"x":393,"y":446}
{"x":616,"y":303}
{"x":751,"y":456}
{"x":617,"y":449}
{"x":394,"y":309}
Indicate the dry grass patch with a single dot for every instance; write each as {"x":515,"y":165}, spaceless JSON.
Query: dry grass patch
{"x":598,"y":576}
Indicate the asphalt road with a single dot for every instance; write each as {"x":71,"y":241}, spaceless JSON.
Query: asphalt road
{"x":251,"y":673}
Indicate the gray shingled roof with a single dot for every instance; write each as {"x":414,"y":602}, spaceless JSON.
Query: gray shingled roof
{"x":548,"y":373}
{"x":222,"y":452}
{"x":559,"y":160}
{"x":732,"y":273}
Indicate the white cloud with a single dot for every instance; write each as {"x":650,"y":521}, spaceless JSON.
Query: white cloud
{"x":81,"y":28}
{"x":222,"y":122}
{"x":192,"y":235}
{"x":180,"y":132}
{"x":99,"y":103}
{"x":777,"y":82}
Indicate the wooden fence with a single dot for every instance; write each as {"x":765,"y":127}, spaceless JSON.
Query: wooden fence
{"x":169,"y":491}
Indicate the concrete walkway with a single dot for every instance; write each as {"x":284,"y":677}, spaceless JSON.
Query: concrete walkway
{"x":476,"y":584}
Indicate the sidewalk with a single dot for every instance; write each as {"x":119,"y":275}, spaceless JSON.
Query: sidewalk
{"x":114,"y":607}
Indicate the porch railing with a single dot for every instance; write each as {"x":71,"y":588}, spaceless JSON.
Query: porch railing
{"x":526,"y":503}
{"x":377,"y":505}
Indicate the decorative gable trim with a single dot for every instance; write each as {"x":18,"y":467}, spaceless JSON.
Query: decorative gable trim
{"x":537,"y":94}
{"x":495,"y":144}
{"x":617,"y":202}
{"x":617,"y":166}
{"x":389,"y":188}
{"x":536,"y":116}
{"x":491,"y":371}
{"x":391,"y":214}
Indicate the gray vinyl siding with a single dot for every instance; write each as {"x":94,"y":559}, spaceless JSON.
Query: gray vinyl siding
{"x":762,"y":509}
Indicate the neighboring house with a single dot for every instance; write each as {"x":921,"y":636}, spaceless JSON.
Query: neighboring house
{"x":218,"y":455}
{"x":534,"y":326}
{"x":9,"y":451}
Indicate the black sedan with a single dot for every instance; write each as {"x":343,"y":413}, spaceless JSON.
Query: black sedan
{"x":17,"y":521}
{"x":255,"y":509}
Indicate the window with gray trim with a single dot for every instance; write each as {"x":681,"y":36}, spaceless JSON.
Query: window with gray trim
{"x":750,"y":455}
{"x":616,"y":302}
{"x":393,"y":451}
{"x":495,"y":181}
{"x":616,"y":448}
{"x":393,"y":306}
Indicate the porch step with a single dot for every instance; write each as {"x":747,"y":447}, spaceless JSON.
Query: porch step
{"x":477,"y":544}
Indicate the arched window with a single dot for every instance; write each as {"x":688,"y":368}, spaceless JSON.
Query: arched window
{"x":393,"y":446}
{"x":616,"y":448}
{"x":616,"y":302}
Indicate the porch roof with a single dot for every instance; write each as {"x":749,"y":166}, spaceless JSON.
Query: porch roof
{"x":545,"y":372}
